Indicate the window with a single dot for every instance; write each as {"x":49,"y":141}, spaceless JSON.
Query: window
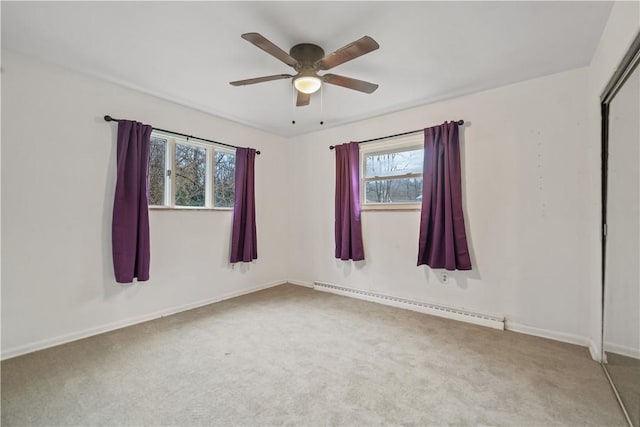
{"x":189,"y":174}
{"x":391,"y":173}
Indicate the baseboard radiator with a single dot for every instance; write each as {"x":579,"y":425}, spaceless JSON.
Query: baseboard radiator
{"x":491,"y":321}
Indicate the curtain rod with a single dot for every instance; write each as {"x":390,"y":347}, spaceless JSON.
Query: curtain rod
{"x":458,"y":122}
{"x":108,"y":118}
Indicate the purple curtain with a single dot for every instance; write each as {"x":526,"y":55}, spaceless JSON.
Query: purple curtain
{"x":443,"y":241}
{"x":130,"y":223}
{"x":244,"y":246}
{"x":348,"y":228}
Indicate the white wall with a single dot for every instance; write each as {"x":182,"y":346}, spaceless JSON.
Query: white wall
{"x":526,"y":202}
{"x":58,"y":176}
{"x":621,"y":29}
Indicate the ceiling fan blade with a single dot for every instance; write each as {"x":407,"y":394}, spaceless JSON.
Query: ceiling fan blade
{"x":351,"y":51}
{"x":260,"y":79}
{"x":350,"y":83}
{"x":270,"y":48}
{"x":303,"y":99}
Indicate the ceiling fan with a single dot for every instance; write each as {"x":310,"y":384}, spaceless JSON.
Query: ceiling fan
{"x":307,"y":59}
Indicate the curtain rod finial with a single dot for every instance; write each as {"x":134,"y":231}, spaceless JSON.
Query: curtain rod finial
{"x":108,"y":118}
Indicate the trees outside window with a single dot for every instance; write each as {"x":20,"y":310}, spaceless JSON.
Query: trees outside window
{"x":190,"y":175}
{"x":184,"y":173}
{"x":224,"y":181}
{"x":393,"y":175}
{"x":157,"y":172}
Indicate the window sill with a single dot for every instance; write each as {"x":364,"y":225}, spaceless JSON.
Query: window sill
{"x":392,"y":207}
{"x":187,"y":208}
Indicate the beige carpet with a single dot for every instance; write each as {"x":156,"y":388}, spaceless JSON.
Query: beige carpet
{"x":294,"y":356}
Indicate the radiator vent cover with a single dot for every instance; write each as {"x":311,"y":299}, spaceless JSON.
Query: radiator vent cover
{"x":491,"y":321}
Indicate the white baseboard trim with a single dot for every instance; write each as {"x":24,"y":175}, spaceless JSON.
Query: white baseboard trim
{"x":300,"y":283}
{"x":74,"y":336}
{"x":553,"y":335}
{"x":491,"y":321}
{"x":595,"y":353}
{"x":623,"y":350}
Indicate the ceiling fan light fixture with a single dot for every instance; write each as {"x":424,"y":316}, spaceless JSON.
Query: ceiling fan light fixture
{"x":307,"y":84}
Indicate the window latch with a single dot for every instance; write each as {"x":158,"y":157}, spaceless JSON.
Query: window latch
{"x":169,"y":172}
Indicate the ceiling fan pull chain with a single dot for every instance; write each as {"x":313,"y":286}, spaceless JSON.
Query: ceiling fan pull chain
{"x":321,"y":105}
{"x":293,"y":103}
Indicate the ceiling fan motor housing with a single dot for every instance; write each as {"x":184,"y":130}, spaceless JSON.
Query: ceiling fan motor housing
{"x":306,"y":54}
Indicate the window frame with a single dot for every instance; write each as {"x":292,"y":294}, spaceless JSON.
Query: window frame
{"x":170,"y":167}
{"x":395,"y":145}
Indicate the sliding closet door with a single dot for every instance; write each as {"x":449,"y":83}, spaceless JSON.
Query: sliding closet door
{"x":622,"y":256}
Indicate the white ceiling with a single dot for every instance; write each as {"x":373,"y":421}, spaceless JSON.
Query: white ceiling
{"x":188,"y":52}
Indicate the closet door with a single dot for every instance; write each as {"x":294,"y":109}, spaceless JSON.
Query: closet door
{"x":621,"y":329}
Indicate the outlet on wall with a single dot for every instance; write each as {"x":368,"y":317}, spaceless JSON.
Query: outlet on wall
{"x":445,"y":278}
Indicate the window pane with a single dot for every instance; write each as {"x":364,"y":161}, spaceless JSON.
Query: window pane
{"x":394,"y":164}
{"x":190,"y":175}
{"x":225,"y":169}
{"x":157,"y":171}
{"x":403,"y":190}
